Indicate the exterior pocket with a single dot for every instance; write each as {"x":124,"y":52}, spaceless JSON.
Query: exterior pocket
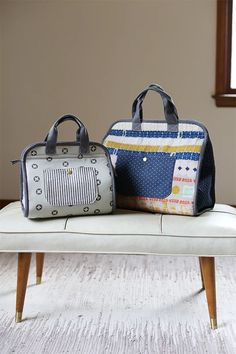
{"x":71,"y":186}
{"x":144,"y":175}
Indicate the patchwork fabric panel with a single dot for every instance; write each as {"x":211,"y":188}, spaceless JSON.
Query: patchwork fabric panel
{"x":156,"y":169}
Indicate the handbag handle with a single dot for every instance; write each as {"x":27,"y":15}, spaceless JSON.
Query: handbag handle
{"x":81,"y":135}
{"x":170,"y":110}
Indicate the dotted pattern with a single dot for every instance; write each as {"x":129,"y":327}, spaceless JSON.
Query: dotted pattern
{"x":93,"y":148}
{"x":68,"y":159}
{"x":143,"y":176}
{"x":64,"y":150}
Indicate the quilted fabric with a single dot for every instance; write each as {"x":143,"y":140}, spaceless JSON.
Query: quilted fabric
{"x":156,"y":169}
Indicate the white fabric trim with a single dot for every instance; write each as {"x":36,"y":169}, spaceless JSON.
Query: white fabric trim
{"x":154,"y":141}
{"x":156,"y":126}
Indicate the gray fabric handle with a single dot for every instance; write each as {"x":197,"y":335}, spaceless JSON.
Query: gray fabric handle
{"x":170,"y":110}
{"x":81,"y":135}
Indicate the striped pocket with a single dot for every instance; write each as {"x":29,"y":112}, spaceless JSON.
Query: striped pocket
{"x":71,"y":186}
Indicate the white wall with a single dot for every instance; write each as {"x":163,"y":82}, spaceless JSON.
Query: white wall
{"x":92,"y":58}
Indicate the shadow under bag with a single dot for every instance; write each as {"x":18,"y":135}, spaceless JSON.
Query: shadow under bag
{"x":162,"y":166}
{"x":66,"y":178}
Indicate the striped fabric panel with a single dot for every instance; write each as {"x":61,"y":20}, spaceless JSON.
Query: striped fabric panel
{"x":163,"y":200}
{"x":179,"y":155}
{"x":155,"y":125}
{"x":71,"y":186}
{"x":181,"y":179}
{"x":158,"y":134}
{"x":153,"y":148}
{"x":153,"y":141}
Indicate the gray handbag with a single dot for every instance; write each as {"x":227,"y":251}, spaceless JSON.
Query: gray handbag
{"x":66,"y":178}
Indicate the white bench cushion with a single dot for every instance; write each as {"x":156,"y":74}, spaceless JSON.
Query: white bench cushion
{"x":212,"y":233}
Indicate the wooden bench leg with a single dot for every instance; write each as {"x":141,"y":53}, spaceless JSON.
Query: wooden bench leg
{"x":208,"y":272}
{"x":39,"y":267}
{"x":22,"y":279}
{"x":203,"y":286}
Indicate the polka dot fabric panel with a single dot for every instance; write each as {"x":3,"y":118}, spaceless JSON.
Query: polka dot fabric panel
{"x":149,"y":176}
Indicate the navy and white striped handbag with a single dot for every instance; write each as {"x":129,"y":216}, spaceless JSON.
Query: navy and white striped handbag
{"x":66,"y":178}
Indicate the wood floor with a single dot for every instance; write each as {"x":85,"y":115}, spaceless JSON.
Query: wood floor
{"x":98,"y":304}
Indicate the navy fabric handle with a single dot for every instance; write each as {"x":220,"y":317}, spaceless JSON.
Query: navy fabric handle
{"x":81,"y":135}
{"x":170,"y":110}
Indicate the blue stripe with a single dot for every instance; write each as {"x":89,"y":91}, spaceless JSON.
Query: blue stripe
{"x":157,"y":134}
{"x":178,"y":155}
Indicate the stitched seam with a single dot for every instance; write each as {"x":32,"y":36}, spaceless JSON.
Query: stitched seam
{"x":222,"y":212}
{"x":2,"y":234}
{"x":161,"y":223}
{"x":66,"y":223}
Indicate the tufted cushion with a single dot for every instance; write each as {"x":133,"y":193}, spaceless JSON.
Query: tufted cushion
{"x":125,"y":231}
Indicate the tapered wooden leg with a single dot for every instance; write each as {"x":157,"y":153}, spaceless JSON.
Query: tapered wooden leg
{"x":22,"y":279}
{"x":208,"y":272}
{"x":203,"y":286}
{"x":39,"y":267}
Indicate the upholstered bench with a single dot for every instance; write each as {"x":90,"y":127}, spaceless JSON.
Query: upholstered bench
{"x":124,"y":232}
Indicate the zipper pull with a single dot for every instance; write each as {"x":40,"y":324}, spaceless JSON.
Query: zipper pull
{"x":13,"y":162}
